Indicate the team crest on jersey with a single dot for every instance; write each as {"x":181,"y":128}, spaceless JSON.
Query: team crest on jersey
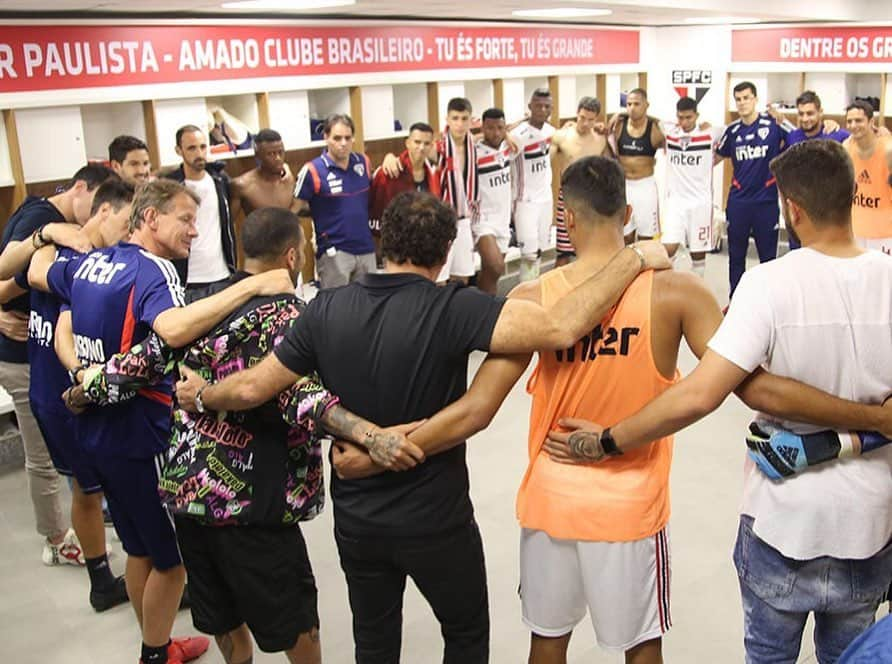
{"x":359,"y":169}
{"x":693,"y":83}
{"x":684,"y":141}
{"x":763,"y":132}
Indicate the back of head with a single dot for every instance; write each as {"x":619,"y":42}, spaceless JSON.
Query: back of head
{"x":590,"y":104}
{"x":121,"y":145}
{"x":417,"y":228}
{"x":459,"y":105}
{"x":269,"y":232}
{"x":113,"y":191}
{"x":267,"y":136}
{"x":595,"y":190}
{"x":819,"y":177}
{"x":158,"y":194}
{"x":93,"y":175}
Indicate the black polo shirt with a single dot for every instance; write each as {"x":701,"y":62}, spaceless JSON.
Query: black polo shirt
{"x":394,"y":348}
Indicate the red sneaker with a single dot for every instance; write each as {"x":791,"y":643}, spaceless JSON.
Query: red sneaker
{"x":187,"y":648}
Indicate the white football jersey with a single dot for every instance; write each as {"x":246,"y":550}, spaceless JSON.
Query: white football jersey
{"x":689,"y":162}
{"x":534,"y":171}
{"x":494,"y":167}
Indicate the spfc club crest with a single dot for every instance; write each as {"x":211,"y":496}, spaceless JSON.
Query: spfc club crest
{"x":684,"y":141}
{"x":693,"y":83}
{"x":763,"y":132}
{"x":359,"y":169}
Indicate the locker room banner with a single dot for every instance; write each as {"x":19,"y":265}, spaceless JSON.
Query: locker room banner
{"x":838,"y":44}
{"x":61,"y":57}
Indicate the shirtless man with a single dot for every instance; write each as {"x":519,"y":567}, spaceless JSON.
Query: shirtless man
{"x":637,"y":138}
{"x":569,"y":143}
{"x":271,"y":184}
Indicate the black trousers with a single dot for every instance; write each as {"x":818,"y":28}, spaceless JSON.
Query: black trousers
{"x":448,"y":569}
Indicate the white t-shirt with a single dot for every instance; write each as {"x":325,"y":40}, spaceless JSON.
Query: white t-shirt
{"x":534,"y":171}
{"x":689,"y":162}
{"x":827,"y":322}
{"x":494,"y":176}
{"x":206,"y":261}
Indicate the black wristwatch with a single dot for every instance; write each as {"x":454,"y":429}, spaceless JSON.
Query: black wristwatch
{"x":608,"y":444}
{"x":72,"y":375}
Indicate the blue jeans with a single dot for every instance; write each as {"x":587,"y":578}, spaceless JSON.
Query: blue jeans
{"x":778,"y":594}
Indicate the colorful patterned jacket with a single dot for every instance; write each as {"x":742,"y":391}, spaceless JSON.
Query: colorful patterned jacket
{"x":256,"y":467}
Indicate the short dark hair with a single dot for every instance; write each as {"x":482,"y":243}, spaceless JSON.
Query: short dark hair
{"x":809,"y":97}
{"x":863,"y":105}
{"x":417,"y":228}
{"x":93,"y":175}
{"x":459,"y":104}
{"x":493,"y":114}
{"x":540,"y":93}
{"x":337,"y":118}
{"x":590,"y":104}
{"x":686,"y":104}
{"x":121,"y":146}
{"x":595,"y":187}
{"x":421,"y":126}
{"x":745,"y":85}
{"x":269,"y":232}
{"x":802,"y":166}
{"x":186,"y":129}
{"x":114,"y":191}
{"x":267,"y":136}
{"x":641,"y":92}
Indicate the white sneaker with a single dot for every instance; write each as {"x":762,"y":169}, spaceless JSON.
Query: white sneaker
{"x":68,"y":552}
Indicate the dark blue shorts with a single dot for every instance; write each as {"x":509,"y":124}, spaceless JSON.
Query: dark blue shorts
{"x":57,"y":427}
{"x":131,"y":489}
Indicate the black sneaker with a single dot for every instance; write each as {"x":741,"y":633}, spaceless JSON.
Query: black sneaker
{"x":102,"y":599}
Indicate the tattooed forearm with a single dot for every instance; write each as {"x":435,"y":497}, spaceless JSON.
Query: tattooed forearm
{"x":341,"y":423}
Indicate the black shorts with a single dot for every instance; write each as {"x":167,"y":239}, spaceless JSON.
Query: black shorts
{"x":247,"y":574}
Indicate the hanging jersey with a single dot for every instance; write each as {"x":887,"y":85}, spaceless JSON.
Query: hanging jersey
{"x":115,"y":295}
{"x":751,"y":148}
{"x":51,"y":378}
{"x":494,"y":167}
{"x":635,"y":146}
{"x":872,"y":202}
{"x":689,"y":163}
{"x":606,"y":376}
{"x":534,"y":163}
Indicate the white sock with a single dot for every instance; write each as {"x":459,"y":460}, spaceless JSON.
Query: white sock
{"x":699,"y":267}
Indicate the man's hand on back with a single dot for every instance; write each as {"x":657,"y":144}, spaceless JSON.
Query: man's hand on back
{"x":271,"y":282}
{"x":14,"y":325}
{"x":654,"y":253}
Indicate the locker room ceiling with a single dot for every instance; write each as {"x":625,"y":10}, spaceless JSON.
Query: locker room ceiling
{"x":653,"y":13}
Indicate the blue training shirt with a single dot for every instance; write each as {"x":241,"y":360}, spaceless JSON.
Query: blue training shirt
{"x":798,"y":136}
{"x":115,"y":295}
{"x":33,"y":213}
{"x":339,"y":203}
{"x":751,"y":148}
{"x":50,"y":377}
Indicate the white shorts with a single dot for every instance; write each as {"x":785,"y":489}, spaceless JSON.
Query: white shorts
{"x":499,"y":228}
{"x":642,"y":195}
{"x":532,"y":221}
{"x":883,"y":244}
{"x":624,"y":586}
{"x":460,"y":261}
{"x":689,"y":223}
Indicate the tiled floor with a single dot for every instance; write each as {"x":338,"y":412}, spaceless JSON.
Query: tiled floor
{"x":45,"y":618}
